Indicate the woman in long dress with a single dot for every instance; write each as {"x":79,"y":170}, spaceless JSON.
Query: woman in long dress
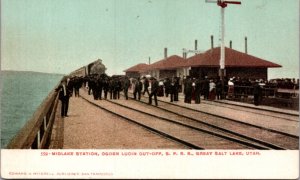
{"x":212,"y":90}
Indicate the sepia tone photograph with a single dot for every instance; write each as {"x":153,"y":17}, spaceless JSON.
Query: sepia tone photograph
{"x":167,"y":86}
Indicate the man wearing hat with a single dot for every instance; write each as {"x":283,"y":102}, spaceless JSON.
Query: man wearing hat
{"x":154,"y":89}
{"x":63,"y":96}
{"x":256,"y":93}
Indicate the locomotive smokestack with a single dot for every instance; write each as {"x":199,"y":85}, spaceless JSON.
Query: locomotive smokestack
{"x":184,"y":55}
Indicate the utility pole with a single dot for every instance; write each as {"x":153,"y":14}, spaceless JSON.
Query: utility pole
{"x":223,"y":5}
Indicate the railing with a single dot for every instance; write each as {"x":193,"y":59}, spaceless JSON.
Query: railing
{"x":288,"y":97}
{"x":265,"y":92}
{"x":246,"y":91}
{"x":36,"y":133}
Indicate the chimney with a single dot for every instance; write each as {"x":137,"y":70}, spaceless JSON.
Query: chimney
{"x":212,"y":41}
{"x":230,"y":44}
{"x":196,"y":44}
{"x":149,"y":61}
{"x":246,"y":51}
{"x":166,"y":53}
{"x":184,"y":55}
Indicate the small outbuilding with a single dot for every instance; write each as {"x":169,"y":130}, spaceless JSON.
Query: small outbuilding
{"x":136,"y":70}
{"x":172,"y":66}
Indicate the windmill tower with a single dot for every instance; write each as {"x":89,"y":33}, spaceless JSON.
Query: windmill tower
{"x":223,"y":4}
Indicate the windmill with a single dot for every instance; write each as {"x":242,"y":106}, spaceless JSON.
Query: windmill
{"x":223,"y":4}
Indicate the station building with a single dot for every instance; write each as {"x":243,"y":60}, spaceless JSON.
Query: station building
{"x":173,"y":66}
{"x":237,"y":64}
{"x":137,"y":70}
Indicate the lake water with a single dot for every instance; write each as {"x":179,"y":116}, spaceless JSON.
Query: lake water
{"x":21,"y":94}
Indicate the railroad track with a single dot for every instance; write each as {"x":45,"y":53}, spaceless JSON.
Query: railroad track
{"x":268,"y":137}
{"x":192,"y":133}
{"x":266,"y":112}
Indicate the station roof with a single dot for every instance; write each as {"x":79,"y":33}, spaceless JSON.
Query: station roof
{"x":233,"y":58}
{"x":137,"y":68}
{"x":171,"y":62}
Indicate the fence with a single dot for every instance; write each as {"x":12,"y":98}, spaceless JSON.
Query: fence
{"x":36,"y":133}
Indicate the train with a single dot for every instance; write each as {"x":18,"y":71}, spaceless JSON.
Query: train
{"x":96,"y":67}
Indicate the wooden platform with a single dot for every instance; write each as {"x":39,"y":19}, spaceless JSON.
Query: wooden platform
{"x":89,"y":127}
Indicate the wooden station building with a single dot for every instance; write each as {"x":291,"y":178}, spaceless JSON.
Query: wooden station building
{"x":137,"y":70}
{"x":237,"y":64}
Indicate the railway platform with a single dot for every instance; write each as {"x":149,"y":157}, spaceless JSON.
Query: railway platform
{"x":89,"y":127}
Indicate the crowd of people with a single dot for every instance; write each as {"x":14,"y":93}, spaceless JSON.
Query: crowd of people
{"x":103,"y":87}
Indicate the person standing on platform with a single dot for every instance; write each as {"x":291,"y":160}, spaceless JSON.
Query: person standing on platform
{"x":105,"y":87}
{"x":77,"y":83}
{"x":64,"y":95}
{"x":212,"y":90}
{"x":146,"y":86}
{"x":138,"y":86}
{"x":119,"y":87}
{"x":160,"y":92}
{"x":126,"y":87}
{"x":188,"y":90}
{"x":172,"y":89}
{"x":256,"y":93}
{"x":96,"y":90}
{"x":89,"y":84}
{"x":167,"y":84}
{"x":110,"y":88}
{"x":154,"y":89}
{"x":206,"y":88}
{"x":193,"y":89}
{"x":230,"y":88}
{"x":197,"y":91}
{"x":114,"y":88}
{"x":100,"y":87}
{"x":219,"y":89}
{"x":177,"y":88}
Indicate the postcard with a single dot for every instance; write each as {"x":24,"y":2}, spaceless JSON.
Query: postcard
{"x":160,"y":89}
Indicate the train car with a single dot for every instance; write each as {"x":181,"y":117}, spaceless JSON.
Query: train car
{"x":94,"y":68}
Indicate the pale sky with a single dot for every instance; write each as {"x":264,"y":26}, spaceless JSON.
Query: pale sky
{"x":59,"y":36}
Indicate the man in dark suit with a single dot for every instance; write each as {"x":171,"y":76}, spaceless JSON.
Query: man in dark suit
{"x":176,"y":88}
{"x":188,"y":91}
{"x":126,"y":86}
{"x":197,"y":91}
{"x":205,"y":87}
{"x":64,"y":95}
{"x":146,"y":85}
{"x":154,"y":89}
{"x":138,"y":89}
{"x":172,"y":89}
{"x":257,"y":93}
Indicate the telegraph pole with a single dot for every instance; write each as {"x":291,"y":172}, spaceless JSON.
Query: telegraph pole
{"x":223,"y":5}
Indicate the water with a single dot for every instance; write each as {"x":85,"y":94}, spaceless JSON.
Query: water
{"x":21,"y":94}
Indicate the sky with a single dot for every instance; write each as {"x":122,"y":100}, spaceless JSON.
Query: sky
{"x":59,"y":36}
